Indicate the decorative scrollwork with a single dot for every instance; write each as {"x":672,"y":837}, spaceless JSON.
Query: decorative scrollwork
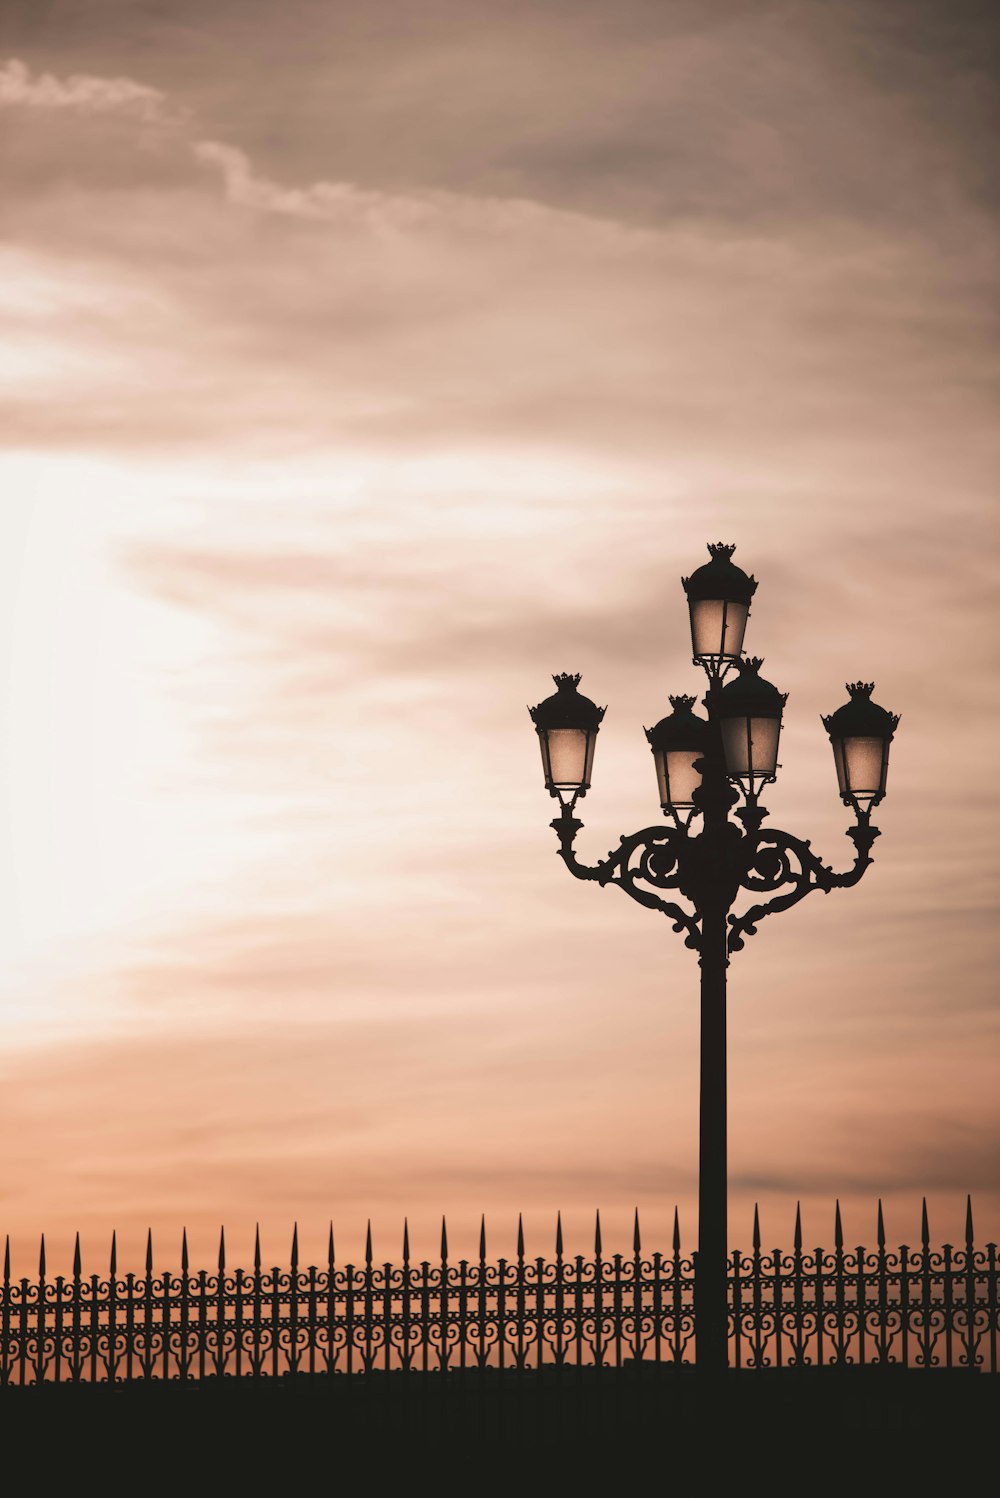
{"x":643,"y":863}
{"x":775,"y":860}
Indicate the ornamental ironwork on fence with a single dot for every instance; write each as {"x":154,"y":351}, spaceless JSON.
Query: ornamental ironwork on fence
{"x":918,"y":1307}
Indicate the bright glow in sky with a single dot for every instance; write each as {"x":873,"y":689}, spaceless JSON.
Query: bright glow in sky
{"x":349,"y":390}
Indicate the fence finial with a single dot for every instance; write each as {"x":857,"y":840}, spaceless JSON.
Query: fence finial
{"x":41,"y":1259}
{"x":838,"y":1230}
{"x":6,"y":1258}
{"x":797,"y":1240}
{"x":636,"y":1239}
{"x":968,"y":1222}
{"x":77,"y":1262}
{"x":295,"y":1247}
{"x":597,"y":1233}
{"x":444,"y":1241}
{"x":520,"y":1236}
{"x":222,"y":1249}
{"x":329,"y":1247}
{"x":677,"y":1231}
{"x":256,"y":1248}
{"x":756,"y":1228}
{"x":559,"y":1236}
{"x":149,"y":1250}
{"x":406,"y":1240}
{"x":925,"y":1232}
{"x":880,"y":1225}
{"x":113,"y":1264}
{"x":368,"y":1243}
{"x":482,"y":1237}
{"x":184,"y":1251}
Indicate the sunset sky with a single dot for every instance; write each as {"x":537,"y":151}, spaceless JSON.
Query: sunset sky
{"x":363,"y":364}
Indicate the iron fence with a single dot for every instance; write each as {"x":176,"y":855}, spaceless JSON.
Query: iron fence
{"x":918,"y":1307}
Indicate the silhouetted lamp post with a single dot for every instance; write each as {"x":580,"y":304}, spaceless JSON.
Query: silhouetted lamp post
{"x":709,"y":766}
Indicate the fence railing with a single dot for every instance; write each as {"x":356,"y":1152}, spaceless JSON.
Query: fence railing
{"x":913,"y":1307}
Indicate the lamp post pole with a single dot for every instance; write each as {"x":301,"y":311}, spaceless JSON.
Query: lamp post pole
{"x":711,"y":1268}
{"x":704,"y":767}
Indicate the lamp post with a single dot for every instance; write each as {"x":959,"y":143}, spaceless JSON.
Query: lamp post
{"x":714,"y":767}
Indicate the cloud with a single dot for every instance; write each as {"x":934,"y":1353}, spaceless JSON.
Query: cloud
{"x":89,"y":94}
{"x":382,"y":390}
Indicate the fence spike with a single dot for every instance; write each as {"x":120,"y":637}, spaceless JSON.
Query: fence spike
{"x":677,"y":1231}
{"x":406,"y":1241}
{"x":256,"y":1247}
{"x":756,"y":1228}
{"x":184,"y":1251}
{"x":295,"y":1247}
{"x":636,"y":1239}
{"x":838,"y":1229}
{"x":113,"y":1265}
{"x":41,"y":1259}
{"x":597,"y":1232}
{"x":880,"y":1226}
{"x":329,"y":1247}
{"x":968,"y":1222}
{"x":368,"y":1243}
{"x":925,"y":1232}
{"x":6,"y":1258}
{"x":149,"y":1250}
{"x":482,"y":1238}
{"x":222,"y":1249}
{"x":559,"y":1236}
{"x":76,"y":1258}
{"x":520,"y":1236}
{"x":798,"y":1227}
{"x":444,"y":1241}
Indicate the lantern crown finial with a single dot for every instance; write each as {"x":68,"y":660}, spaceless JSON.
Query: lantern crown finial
{"x":567,"y":707}
{"x":681,"y":703}
{"x":749,"y":693}
{"x":860,"y":717}
{"x":720,"y":578}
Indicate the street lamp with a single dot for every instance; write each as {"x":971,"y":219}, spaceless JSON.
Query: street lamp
{"x":707,"y":767}
{"x":718,"y":595}
{"x":861,"y":733}
{"x":567,"y":725}
{"x":678,"y":742}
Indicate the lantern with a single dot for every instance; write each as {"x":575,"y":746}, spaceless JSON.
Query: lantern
{"x":861,"y":733}
{"x":749,"y":711}
{"x":678,"y":743}
{"x":718,"y":595}
{"x":567,"y":725}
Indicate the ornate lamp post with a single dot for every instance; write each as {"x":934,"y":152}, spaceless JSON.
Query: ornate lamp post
{"x":709,"y":768}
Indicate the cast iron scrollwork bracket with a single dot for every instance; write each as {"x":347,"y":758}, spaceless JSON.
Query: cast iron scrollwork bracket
{"x":776,"y":860}
{"x":652,"y":857}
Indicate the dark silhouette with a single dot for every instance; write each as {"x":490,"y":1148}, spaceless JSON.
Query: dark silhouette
{"x":702,"y":766}
{"x":489,"y":1322}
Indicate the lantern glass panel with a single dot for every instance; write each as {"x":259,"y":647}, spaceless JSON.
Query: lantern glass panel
{"x":570,"y":757}
{"x":751,"y":747}
{"x":717,"y":627}
{"x":861,"y":764}
{"x":676,"y":777}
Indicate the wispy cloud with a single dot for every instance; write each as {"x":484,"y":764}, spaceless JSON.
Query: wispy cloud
{"x":341,"y":411}
{"x":83,"y":92}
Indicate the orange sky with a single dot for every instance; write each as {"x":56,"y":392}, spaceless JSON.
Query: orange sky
{"x":362,"y":365}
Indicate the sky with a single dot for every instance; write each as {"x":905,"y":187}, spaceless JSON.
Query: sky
{"x":363,"y":365}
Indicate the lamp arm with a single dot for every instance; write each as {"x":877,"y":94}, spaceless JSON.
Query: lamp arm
{"x":651,"y":856}
{"x":776,"y":859}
